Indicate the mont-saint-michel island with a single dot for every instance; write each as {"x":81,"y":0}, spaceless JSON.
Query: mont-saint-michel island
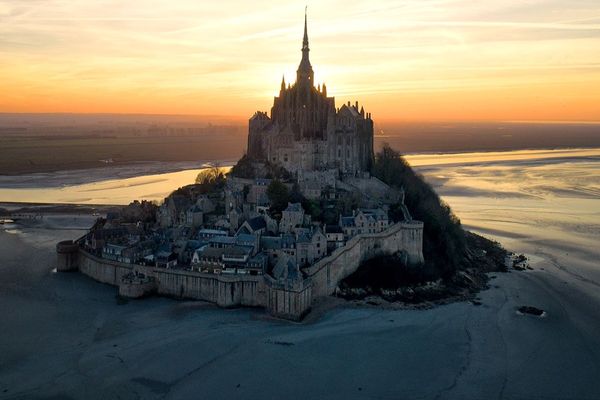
{"x":295,"y":216}
{"x":383,"y":200}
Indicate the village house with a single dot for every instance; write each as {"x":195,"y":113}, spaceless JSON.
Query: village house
{"x":257,"y":190}
{"x":311,"y":245}
{"x":166,"y":260}
{"x":292,"y":217}
{"x":371,"y":220}
{"x":194,"y":216}
{"x":364,"y":221}
{"x":335,"y":237}
{"x":206,"y":234}
{"x":232,"y":259}
{"x":253,"y":226}
{"x":173,"y":211}
{"x":98,"y":238}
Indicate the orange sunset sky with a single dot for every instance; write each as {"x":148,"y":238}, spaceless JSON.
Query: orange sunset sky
{"x":403,"y":60}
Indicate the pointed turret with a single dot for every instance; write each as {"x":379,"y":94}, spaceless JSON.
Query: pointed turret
{"x":283,"y":83}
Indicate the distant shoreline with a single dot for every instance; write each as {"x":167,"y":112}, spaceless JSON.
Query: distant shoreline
{"x":121,"y":169}
{"x":50,"y":143}
{"x":118,"y":185}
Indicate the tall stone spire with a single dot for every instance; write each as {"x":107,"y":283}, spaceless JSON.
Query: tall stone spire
{"x":305,"y":74}
{"x":305,"y":39}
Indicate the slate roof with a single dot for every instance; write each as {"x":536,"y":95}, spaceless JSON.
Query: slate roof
{"x":237,"y":251}
{"x":211,"y":252}
{"x":218,"y":253}
{"x":180,"y":202}
{"x":377,"y":213}
{"x":257,"y":223}
{"x":194,"y":244}
{"x":288,"y":240}
{"x":333,"y":229}
{"x":294,"y":207}
{"x":347,"y":222}
{"x":212,"y":232}
{"x":270,"y":242}
{"x":304,"y":237}
{"x":285,"y":269}
{"x":223,"y":240}
{"x":244,"y":238}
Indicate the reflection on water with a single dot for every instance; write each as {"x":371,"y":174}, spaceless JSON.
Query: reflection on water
{"x":542,"y":199}
{"x":550,"y":195}
{"x":521,"y":156}
{"x":115,"y":191}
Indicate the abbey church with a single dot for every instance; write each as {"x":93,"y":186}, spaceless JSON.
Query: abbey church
{"x":306,"y":132}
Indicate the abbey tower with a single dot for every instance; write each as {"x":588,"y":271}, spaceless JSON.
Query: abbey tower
{"x":305,"y":130}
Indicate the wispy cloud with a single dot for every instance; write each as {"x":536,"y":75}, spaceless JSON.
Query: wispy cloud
{"x":140,"y":55}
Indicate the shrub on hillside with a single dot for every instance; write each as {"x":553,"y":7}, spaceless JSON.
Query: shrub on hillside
{"x":443,"y":236}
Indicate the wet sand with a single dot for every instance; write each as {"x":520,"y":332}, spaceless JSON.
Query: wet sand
{"x":66,"y":336}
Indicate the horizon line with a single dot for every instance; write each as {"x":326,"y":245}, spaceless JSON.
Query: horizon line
{"x":379,"y":120}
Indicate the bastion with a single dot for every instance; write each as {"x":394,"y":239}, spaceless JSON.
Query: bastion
{"x":67,"y":253}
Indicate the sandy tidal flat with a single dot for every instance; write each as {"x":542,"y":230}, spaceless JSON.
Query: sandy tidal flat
{"x":65,"y":336}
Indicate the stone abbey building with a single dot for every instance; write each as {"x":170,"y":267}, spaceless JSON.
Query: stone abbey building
{"x":307,"y":132}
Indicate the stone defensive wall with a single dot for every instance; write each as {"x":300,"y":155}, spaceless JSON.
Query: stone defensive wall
{"x":223,"y":290}
{"x":285,"y":300}
{"x":401,"y":237}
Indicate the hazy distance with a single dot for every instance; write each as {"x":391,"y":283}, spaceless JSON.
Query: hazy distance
{"x":50,"y":142}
